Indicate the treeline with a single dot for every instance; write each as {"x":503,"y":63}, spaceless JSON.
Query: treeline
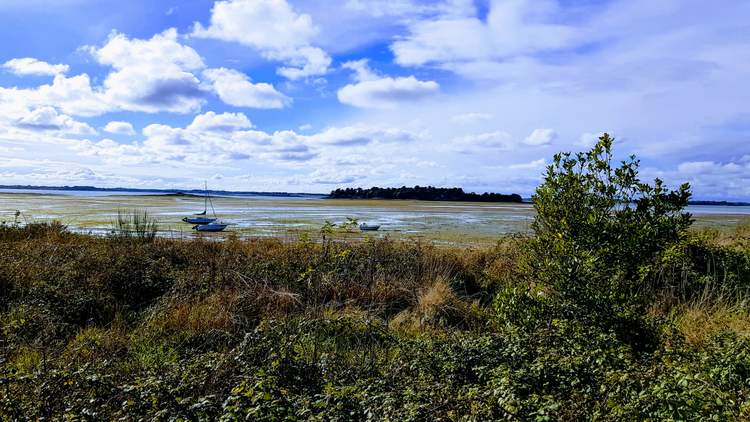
{"x":422,"y":193}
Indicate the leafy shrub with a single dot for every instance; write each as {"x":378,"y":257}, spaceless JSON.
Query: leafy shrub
{"x":598,"y":227}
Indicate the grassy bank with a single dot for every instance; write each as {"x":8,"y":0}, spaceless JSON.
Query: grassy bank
{"x":613,"y":309}
{"x":110,"y":327}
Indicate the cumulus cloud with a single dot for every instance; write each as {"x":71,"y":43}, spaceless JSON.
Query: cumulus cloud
{"x":274,"y":28}
{"x":151,"y":75}
{"x":56,"y":172}
{"x":511,"y":28}
{"x":235,"y":88}
{"x":73,"y":95}
{"x":373,"y":91}
{"x":214,"y":138}
{"x":31,"y":66}
{"x":48,"y":119}
{"x":540,"y":137}
{"x":120,"y":128}
{"x":224,"y":122}
{"x":711,"y":179}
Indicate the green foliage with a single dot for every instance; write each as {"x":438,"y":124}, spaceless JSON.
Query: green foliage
{"x":599,"y":227}
{"x":351,"y":224}
{"x":120,"y":329}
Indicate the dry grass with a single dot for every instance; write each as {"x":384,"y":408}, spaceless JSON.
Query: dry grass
{"x":215,"y":312}
{"x":95,"y":344}
{"x":699,"y":322}
{"x":437,"y":306}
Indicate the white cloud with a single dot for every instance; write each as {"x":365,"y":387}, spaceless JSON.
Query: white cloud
{"x":148,"y":75}
{"x":48,"y":119}
{"x":359,"y":135}
{"x":470,"y":118}
{"x":225,"y":122}
{"x":361,"y":68}
{"x":511,"y":28}
{"x":710,"y":179}
{"x":119,"y":127}
{"x":151,"y":75}
{"x":540,"y":137}
{"x":411,"y":8}
{"x":373,"y":91}
{"x":235,"y":88}
{"x":274,"y":28}
{"x":162,"y":50}
{"x":588,"y":139}
{"x":333,"y":177}
{"x":213,"y":139}
{"x":73,"y":96}
{"x":481,"y":142}
{"x":697,"y":167}
{"x":31,"y":66}
{"x":532,"y":165}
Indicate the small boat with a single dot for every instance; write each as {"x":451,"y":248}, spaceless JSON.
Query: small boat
{"x":200,"y":218}
{"x":369,"y":227}
{"x":210,"y":227}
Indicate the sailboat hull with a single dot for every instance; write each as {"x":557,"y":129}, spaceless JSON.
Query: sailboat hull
{"x":212,"y":227}
{"x":198,"y":220}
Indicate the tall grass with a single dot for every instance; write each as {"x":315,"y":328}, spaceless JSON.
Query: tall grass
{"x":136,"y":224}
{"x":404,"y":330}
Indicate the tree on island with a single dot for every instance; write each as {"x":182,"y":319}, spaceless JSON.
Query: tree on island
{"x":422,"y":193}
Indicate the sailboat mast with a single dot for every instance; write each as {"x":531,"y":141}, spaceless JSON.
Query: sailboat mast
{"x":205,"y":197}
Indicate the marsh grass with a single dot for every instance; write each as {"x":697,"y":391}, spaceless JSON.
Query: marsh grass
{"x":135,"y":224}
{"x":408,"y":330}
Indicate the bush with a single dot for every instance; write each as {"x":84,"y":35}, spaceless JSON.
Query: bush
{"x":599,"y":227}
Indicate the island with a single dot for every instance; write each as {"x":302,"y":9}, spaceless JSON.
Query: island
{"x":422,"y":193}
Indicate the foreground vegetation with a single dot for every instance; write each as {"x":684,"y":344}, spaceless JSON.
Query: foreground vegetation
{"x":607,"y":312}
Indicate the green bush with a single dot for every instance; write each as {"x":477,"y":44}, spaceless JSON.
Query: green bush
{"x":599,"y":227}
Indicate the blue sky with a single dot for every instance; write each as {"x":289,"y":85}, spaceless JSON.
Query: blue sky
{"x":307,"y":96}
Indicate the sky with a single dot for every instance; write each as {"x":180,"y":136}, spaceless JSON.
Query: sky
{"x":312,"y":95}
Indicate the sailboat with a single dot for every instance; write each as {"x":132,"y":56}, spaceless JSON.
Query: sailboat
{"x":214,"y":226}
{"x":203,"y":223}
{"x":369,"y":227}
{"x":200,"y":218}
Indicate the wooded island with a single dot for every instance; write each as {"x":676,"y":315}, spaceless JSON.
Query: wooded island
{"x":422,"y":193}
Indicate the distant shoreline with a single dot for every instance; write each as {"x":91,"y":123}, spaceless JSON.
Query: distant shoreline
{"x":200,"y":192}
{"x":174,"y":192}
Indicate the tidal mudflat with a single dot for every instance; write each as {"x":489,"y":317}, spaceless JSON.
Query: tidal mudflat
{"x":456,"y":223}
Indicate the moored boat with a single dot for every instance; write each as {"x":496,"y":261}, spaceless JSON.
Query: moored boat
{"x":198,"y":220}
{"x":210,"y":227}
{"x":201,"y":218}
{"x":369,"y":227}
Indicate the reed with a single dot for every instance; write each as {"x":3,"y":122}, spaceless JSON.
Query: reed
{"x":135,"y":224}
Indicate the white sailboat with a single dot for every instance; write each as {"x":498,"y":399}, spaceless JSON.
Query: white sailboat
{"x":201,"y":221}
{"x":201,"y":218}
